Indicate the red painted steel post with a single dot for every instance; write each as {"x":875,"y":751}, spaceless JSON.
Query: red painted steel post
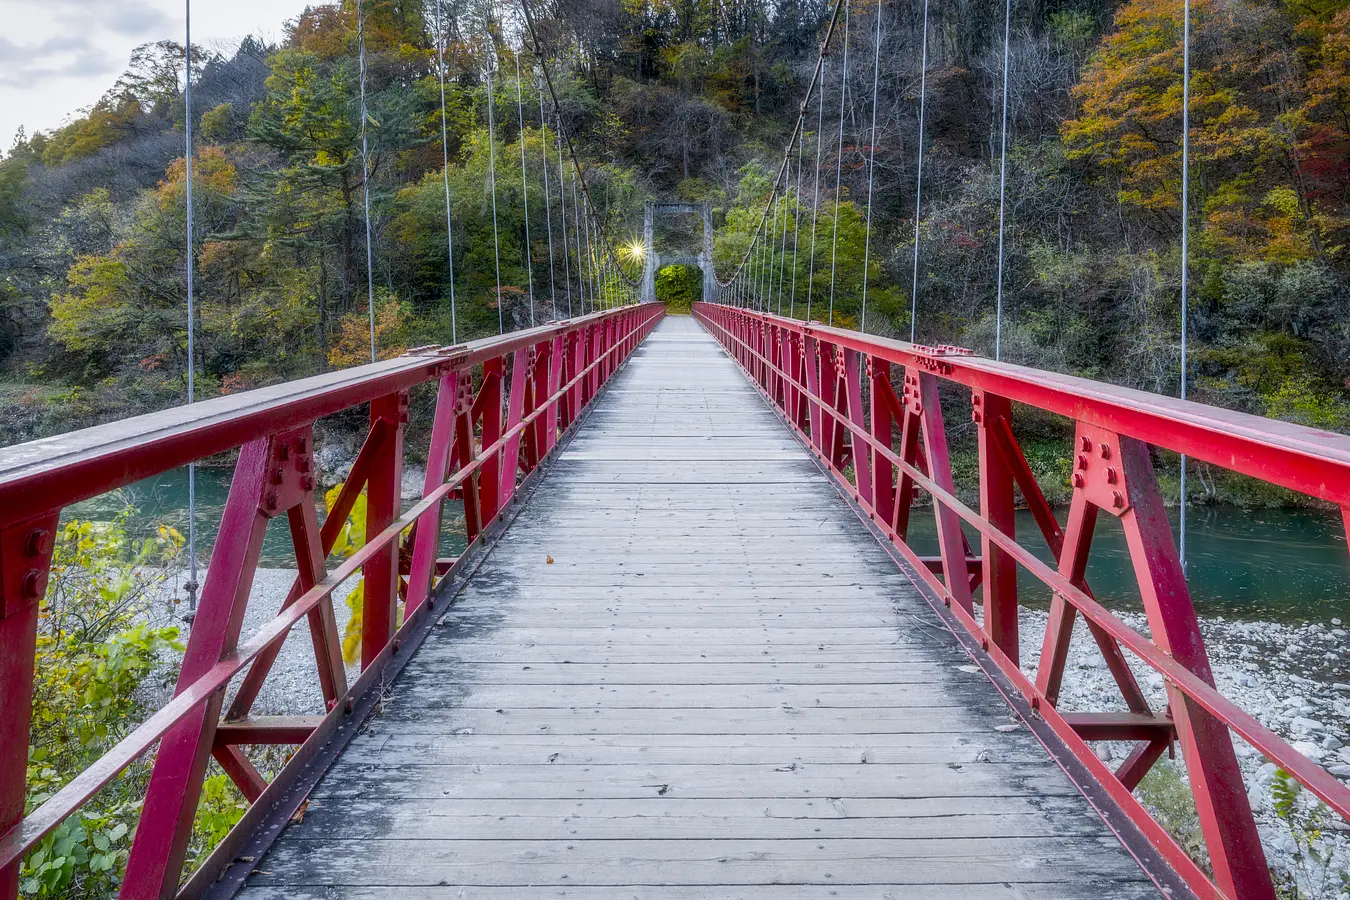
{"x":466,"y":452}
{"x":490,"y":475}
{"x":862,"y":454}
{"x":882,"y":423}
{"x":951,"y":541}
{"x":543,"y":366}
{"x":158,"y":851}
{"x":427,"y":541}
{"x":813,"y":377}
{"x":909,"y":452}
{"x":311,"y":566}
{"x":383,"y":494}
{"x":828,"y":388}
{"x":1240,"y":868}
{"x":552,"y":418}
{"x":1072,"y":565}
{"x":593,"y":380}
{"x":783,"y":360}
{"x":997,"y":505}
{"x":25,"y":558}
{"x":574,"y":372}
{"x":515,"y":411}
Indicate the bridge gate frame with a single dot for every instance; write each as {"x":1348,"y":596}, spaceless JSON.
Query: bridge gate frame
{"x":653,"y":262}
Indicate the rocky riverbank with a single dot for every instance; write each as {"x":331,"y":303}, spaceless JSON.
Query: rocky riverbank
{"x":1292,"y":678}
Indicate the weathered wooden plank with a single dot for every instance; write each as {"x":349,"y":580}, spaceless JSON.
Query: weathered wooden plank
{"x":574,"y":863}
{"x":407,"y":780}
{"x":439,"y":748}
{"x":781,"y":721}
{"x":1087,"y":890}
{"x":487,"y":666}
{"x":430,"y":691}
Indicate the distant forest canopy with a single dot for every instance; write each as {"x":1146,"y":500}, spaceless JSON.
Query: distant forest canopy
{"x":695,"y":100}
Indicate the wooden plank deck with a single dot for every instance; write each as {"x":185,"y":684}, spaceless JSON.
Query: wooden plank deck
{"x":720,"y":687}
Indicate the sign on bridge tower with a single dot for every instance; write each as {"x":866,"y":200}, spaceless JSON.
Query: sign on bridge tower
{"x":654,"y":261}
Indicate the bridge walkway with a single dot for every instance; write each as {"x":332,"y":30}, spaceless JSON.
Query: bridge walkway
{"x":687,"y":670}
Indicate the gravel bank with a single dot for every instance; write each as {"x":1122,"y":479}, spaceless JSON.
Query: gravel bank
{"x":1284,"y":675}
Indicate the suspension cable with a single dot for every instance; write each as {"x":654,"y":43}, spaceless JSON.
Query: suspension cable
{"x":787,"y":149}
{"x":918,"y":185}
{"x":492,"y":179}
{"x":1002,"y":179}
{"x":796,"y":230}
{"x":191,"y":586}
{"x":562,"y":199}
{"x":872,"y":168}
{"x":1185,"y":234}
{"x":782,"y":255}
{"x":445,"y":173}
{"x":839,"y":163}
{"x":815,"y":202}
{"x":525,"y":191}
{"x":548,"y":202}
{"x":365,"y":174}
{"x":590,"y":206}
{"x":581,"y":270}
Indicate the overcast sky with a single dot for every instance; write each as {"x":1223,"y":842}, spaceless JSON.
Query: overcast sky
{"x":59,"y":56}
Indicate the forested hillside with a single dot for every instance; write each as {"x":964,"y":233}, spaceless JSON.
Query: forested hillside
{"x":696,"y":100}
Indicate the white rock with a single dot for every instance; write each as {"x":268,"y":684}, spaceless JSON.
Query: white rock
{"x":1331,"y":743}
{"x":1305,"y":725}
{"x":1294,"y":701}
{"x":1335,"y":621}
{"x":411,"y":487}
{"x":1309,"y":749}
{"x":1340,"y":771}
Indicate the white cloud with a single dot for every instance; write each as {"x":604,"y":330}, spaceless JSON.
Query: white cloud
{"x":58,"y":57}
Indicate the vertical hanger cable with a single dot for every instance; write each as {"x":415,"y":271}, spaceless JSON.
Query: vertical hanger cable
{"x":445,"y":173}
{"x":871,"y":168}
{"x":548,"y":203}
{"x":918,"y":185}
{"x":365,"y":173}
{"x":839,"y":163}
{"x":191,"y":586}
{"x":525,"y":191}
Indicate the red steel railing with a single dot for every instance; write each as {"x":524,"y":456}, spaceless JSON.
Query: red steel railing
{"x":501,"y":406}
{"x":835,"y":388}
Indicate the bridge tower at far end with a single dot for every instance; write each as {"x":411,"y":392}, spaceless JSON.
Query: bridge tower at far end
{"x":653,"y":261}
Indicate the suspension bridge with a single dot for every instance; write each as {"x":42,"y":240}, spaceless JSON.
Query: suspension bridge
{"x":695,"y":647}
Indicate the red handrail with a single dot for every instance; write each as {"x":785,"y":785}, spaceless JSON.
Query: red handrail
{"x":834,"y":387}
{"x":481,"y":442}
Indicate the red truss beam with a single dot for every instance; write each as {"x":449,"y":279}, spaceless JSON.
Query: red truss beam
{"x":903,"y":440}
{"x":529,"y":391}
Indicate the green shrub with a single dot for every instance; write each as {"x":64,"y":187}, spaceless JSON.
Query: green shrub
{"x":95,"y":650}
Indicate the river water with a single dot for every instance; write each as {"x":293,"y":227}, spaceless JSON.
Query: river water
{"x":1288,"y":565}
{"x":164,"y":497}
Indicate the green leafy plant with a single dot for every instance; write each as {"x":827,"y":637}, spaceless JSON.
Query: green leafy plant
{"x":96,"y":647}
{"x":1312,"y":852}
